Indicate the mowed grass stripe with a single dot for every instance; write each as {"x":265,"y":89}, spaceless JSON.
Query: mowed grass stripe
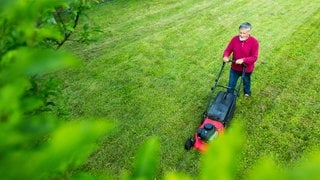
{"x":147,"y":21}
{"x":149,"y":28}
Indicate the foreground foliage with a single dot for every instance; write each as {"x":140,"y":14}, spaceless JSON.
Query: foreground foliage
{"x":35,"y":142}
{"x":221,"y":161}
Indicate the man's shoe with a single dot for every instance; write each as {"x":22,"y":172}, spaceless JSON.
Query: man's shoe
{"x":246,"y":95}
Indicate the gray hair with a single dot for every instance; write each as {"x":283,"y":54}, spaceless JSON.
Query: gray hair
{"x":245,"y":25}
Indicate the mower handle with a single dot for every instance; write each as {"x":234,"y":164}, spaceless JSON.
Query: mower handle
{"x":234,"y":61}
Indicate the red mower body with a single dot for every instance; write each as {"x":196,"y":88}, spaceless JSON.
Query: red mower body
{"x":200,"y":144}
{"x":217,"y":116}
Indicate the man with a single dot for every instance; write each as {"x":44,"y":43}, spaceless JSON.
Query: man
{"x":244,"y":49}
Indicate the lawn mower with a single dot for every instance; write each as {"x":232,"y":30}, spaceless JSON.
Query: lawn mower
{"x":219,"y":111}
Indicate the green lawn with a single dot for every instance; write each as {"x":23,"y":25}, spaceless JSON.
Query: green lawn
{"x":152,"y":68}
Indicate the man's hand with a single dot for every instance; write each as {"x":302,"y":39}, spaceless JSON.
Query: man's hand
{"x":239,"y":61}
{"x":225,"y":59}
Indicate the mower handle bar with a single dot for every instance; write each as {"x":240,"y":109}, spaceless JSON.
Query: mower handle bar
{"x":234,"y":61}
{"x":224,"y":63}
{"x":220,"y":72}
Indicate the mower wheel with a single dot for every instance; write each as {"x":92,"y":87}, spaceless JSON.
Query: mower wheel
{"x":189,"y":143}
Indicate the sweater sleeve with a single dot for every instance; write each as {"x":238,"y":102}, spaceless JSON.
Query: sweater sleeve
{"x":227,"y":52}
{"x":253,"y":54}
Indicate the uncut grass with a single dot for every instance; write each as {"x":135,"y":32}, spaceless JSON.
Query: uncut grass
{"x":152,"y":69}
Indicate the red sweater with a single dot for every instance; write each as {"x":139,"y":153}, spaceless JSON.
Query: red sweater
{"x":248,"y":50}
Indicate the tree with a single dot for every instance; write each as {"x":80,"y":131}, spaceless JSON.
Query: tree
{"x":35,"y":143}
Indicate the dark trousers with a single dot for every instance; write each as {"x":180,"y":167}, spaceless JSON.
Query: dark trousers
{"x":233,"y":79}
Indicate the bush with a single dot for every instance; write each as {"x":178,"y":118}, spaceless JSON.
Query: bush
{"x":35,"y":143}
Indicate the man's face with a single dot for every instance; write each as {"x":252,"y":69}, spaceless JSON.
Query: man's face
{"x":244,"y":34}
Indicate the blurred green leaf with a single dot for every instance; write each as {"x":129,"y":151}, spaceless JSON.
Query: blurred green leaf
{"x":177,"y":176}
{"x":147,"y":160}
{"x":266,"y":169}
{"x":307,"y":168}
{"x":70,"y":28}
{"x":31,"y":61}
{"x":67,"y":147}
{"x":49,"y":32}
{"x":222,"y":157}
{"x":86,"y":26}
{"x":10,"y":95}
